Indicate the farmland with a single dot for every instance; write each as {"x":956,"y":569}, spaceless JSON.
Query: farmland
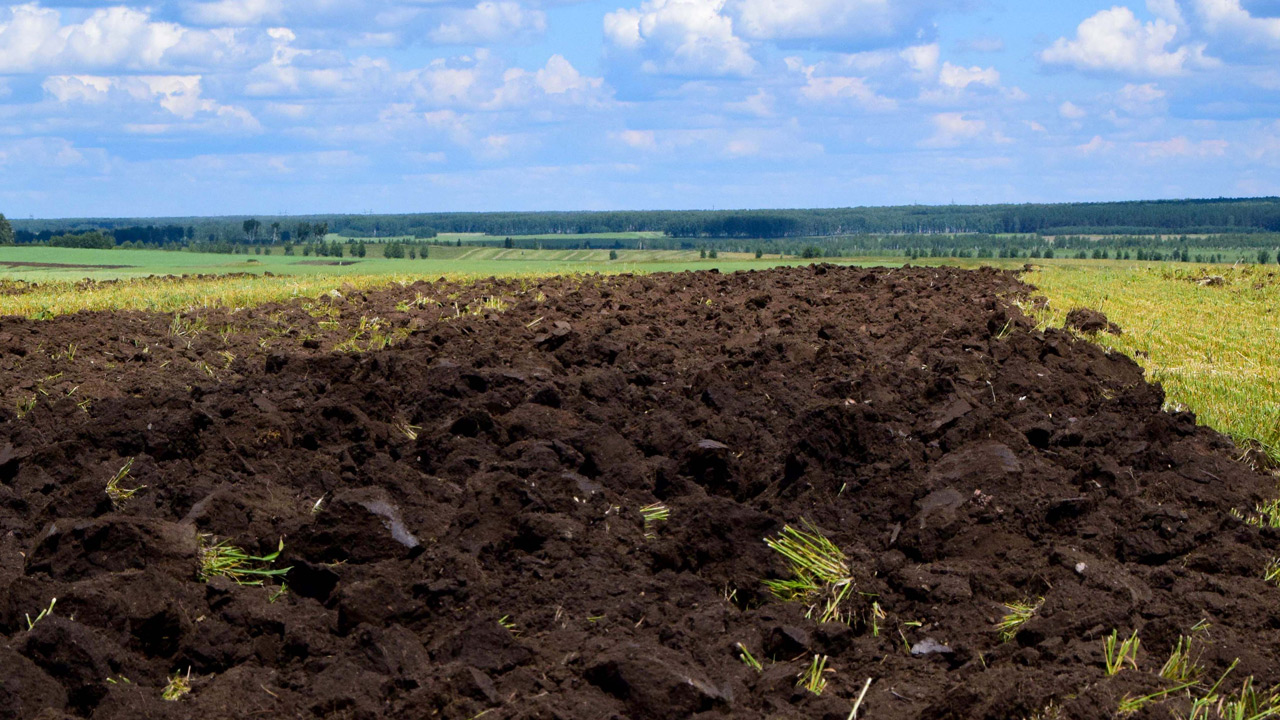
{"x":529,"y":483}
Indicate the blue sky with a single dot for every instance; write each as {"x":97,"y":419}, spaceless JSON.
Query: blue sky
{"x":181,"y":107}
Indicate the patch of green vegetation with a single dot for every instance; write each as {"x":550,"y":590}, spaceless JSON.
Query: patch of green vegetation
{"x":222,"y":559}
{"x":1020,"y":613}
{"x":820,"y":574}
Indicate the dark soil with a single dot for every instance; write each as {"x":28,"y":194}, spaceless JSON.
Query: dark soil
{"x":957,"y":471}
{"x":1087,"y":320}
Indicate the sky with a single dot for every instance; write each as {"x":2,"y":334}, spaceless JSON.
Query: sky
{"x":212,"y":107}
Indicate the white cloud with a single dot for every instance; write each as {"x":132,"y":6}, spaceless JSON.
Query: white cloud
{"x":681,"y":37}
{"x":235,"y":13}
{"x":1071,"y":111}
{"x":560,"y":77}
{"x":835,"y":88}
{"x":40,"y":152}
{"x":1096,"y":145}
{"x":1182,"y":147}
{"x":951,"y":129}
{"x":1145,"y":99}
{"x":1231,"y":18}
{"x":180,"y":95}
{"x":760,"y":104}
{"x":923,"y":59}
{"x":1167,"y":10}
{"x":34,"y":38}
{"x":318,"y":73}
{"x":639,"y":139}
{"x":1116,"y":41}
{"x":558,"y":80}
{"x":719,"y":143}
{"x":816,"y":19}
{"x":958,"y":78}
{"x":490,"y":22}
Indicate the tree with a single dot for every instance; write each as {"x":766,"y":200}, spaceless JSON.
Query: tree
{"x":275,"y":233}
{"x":713,"y":254}
{"x":303,"y":232}
{"x":1264,"y":257}
{"x":613,"y":254}
{"x":321,"y":230}
{"x":251,"y":229}
{"x":508,"y":243}
{"x":759,"y":253}
{"x":6,"y":231}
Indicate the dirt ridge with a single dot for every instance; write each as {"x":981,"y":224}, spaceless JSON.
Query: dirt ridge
{"x":490,"y":464}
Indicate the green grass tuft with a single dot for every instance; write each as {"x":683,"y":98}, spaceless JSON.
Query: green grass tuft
{"x":222,"y":559}
{"x":820,"y":573}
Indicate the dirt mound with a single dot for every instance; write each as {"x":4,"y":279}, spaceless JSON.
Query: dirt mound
{"x":460,"y":492}
{"x":1091,"y":321}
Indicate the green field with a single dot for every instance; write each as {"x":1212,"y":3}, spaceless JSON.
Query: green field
{"x":471,"y":238}
{"x":241,"y":280}
{"x":1208,"y":334}
{"x":42,"y":264}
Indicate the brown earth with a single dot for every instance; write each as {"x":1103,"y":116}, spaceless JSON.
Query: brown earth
{"x":1087,"y":320}
{"x":492,"y":461}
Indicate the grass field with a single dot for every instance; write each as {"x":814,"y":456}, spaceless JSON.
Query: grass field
{"x":242,"y":280}
{"x":1215,"y":348}
{"x":468,"y":238}
{"x":43,"y":264}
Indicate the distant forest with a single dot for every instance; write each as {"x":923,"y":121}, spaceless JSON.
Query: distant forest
{"x":930,"y":230}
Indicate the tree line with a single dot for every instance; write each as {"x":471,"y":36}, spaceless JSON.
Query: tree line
{"x":1218,"y":216}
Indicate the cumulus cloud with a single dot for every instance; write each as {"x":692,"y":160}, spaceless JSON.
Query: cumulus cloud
{"x":1229,"y":17}
{"x":824,"y":89}
{"x":712,"y":37}
{"x":951,"y":129}
{"x":1145,"y":99}
{"x":639,"y":139}
{"x":681,"y":37}
{"x":558,"y":80}
{"x":489,"y":22}
{"x":958,"y":78}
{"x":760,"y":104}
{"x":180,"y":95}
{"x":1116,"y":40}
{"x":1096,"y":145}
{"x":923,"y":59}
{"x":1167,"y":10}
{"x":35,"y":38}
{"x":1071,"y":111}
